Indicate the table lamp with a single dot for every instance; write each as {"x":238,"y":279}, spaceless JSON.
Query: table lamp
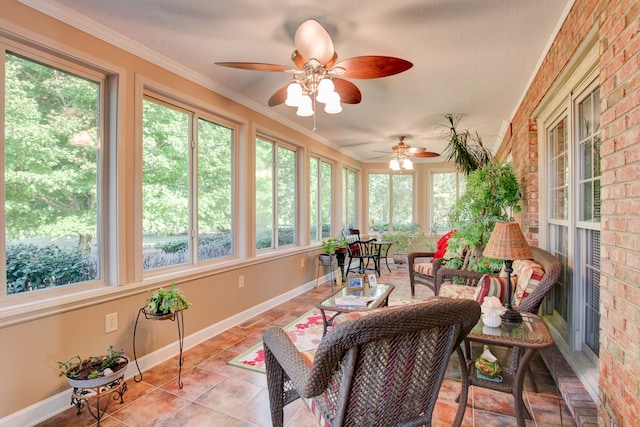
{"x":508,"y":244}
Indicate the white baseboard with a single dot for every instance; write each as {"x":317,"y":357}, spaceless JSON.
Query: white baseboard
{"x":45,"y":409}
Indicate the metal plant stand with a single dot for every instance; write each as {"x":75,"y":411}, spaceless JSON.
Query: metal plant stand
{"x":177,"y":317}
{"x":115,"y":389}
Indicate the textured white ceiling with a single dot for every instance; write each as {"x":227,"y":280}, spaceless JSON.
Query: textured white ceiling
{"x":471,"y":57}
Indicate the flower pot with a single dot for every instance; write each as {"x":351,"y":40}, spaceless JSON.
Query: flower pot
{"x":100,"y":381}
{"x":400,"y":259}
{"x":325,"y":259}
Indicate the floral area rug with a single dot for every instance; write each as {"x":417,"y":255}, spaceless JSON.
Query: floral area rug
{"x":305,"y":333}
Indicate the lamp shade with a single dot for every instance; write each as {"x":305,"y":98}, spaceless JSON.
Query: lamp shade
{"x":507,"y":243}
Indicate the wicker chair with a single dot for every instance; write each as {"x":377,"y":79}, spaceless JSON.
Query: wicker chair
{"x":349,"y":381}
{"x":428,"y":277}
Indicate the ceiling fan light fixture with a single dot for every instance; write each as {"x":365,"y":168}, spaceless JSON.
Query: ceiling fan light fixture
{"x":394,"y":165}
{"x":325,"y":90}
{"x":305,"y":109}
{"x":333,"y":104}
{"x":407,"y":164}
{"x":294,"y":94}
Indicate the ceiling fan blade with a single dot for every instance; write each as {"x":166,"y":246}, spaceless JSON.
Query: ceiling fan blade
{"x":425,"y":154}
{"x":416,"y":150}
{"x":313,"y":41}
{"x":278,"y":97}
{"x":255,"y":66}
{"x":349,"y":93}
{"x":373,"y":67}
{"x":298,"y":59}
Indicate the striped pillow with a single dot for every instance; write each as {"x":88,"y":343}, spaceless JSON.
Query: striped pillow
{"x":530,"y":273}
{"x":491,"y":286}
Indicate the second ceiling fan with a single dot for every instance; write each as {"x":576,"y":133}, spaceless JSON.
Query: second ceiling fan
{"x":317,"y":76}
{"x":401,"y":153}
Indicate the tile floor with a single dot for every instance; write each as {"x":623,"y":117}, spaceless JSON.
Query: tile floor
{"x":217,"y":394}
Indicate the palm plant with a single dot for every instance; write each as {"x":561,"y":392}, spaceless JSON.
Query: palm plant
{"x":464,"y":150}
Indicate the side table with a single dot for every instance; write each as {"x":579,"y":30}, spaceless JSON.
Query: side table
{"x":382,"y":249}
{"x":178,"y":317}
{"x":530,"y":335}
{"x":79,"y":395}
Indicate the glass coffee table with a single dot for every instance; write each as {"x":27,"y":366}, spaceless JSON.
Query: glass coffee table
{"x":346,"y":300}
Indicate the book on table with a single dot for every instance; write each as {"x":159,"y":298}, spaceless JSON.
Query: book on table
{"x":353,"y":300}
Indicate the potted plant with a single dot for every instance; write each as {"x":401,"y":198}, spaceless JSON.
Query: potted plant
{"x":465,"y":151}
{"x":404,"y":241}
{"x":329,"y":248}
{"x":94,"y":371}
{"x":165,"y":303}
{"x":492,"y":194}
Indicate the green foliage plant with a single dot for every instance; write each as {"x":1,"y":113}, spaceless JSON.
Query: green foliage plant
{"x":330,"y":245}
{"x":492,"y":195}
{"x":93,"y":367}
{"x":464,"y":150}
{"x":166,"y":301}
{"x":405,"y":240}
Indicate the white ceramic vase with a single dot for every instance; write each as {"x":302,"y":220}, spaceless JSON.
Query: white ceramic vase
{"x":491,"y":320}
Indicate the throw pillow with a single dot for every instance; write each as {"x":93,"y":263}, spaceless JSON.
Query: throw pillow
{"x":442,"y":244}
{"x":491,"y":286}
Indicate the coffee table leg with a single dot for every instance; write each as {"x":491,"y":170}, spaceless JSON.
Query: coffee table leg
{"x":327,"y":322}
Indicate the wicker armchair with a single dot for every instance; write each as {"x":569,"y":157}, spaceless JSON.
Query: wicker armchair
{"x":426,"y":277}
{"x":349,"y":381}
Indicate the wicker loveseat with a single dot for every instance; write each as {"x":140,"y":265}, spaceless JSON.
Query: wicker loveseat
{"x":385,"y":368}
{"x":532,"y":280}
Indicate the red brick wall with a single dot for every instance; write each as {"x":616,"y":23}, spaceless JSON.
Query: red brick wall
{"x":618,"y":24}
{"x":620,"y":152}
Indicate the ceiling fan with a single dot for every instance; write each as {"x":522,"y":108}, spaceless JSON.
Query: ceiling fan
{"x":401,"y":153}
{"x":317,"y":76}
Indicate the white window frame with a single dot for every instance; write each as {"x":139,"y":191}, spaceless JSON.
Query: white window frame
{"x":318,"y":201}
{"x":156,"y":93}
{"x":579,"y":75}
{"x":17,"y":308}
{"x":299,"y":234}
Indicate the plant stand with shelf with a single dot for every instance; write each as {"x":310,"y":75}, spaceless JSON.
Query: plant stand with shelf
{"x":177,"y":317}
{"x":115,"y":389}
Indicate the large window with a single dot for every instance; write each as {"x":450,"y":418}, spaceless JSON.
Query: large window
{"x":275,"y":194}
{"x":320,"y":197}
{"x":53,"y":165}
{"x":176,"y":141}
{"x":446,"y":187}
{"x":390,"y":201}
{"x":349,"y":198}
{"x":573,"y":198}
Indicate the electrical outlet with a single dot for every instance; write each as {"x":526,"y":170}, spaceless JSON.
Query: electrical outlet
{"x":301,"y":262}
{"x":241,"y":282}
{"x":111,"y":322}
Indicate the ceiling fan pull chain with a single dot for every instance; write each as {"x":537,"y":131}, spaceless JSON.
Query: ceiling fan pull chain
{"x":314,"y":110}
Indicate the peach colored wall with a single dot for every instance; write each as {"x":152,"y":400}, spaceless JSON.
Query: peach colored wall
{"x":29,"y":350}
